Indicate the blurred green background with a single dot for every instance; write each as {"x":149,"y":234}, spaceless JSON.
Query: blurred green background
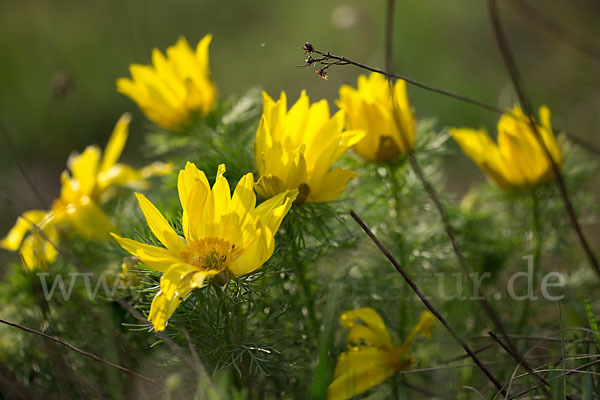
{"x":448,"y":44}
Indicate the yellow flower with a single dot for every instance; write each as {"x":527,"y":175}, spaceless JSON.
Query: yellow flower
{"x":224,"y":236}
{"x":175,"y":86}
{"x":296,"y":149}
{"x":517,"y":160}
{"x":91,"y":181}
{"x":371,"y":357}
{"x":370,"y":108}
{"x":35,"y":250}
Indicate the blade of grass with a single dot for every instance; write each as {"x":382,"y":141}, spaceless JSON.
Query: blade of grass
{"x":592,"y":321}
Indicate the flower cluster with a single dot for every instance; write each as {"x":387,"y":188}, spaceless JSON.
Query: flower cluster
{"x":221,"y":234}
{"x":90,"y":181}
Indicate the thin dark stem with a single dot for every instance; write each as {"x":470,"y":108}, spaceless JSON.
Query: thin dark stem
{"x":570,"y":372}
{"x":539,"y":338}
{"x":487,"y":307}
{"x":13,"y":153}
{"x":520,"y":360}
{"x":340,"y":60}
{"x":515,"y":77}
{"x":462,"y":357}
{"x":83,"y":352}
{"x":427,"y":303}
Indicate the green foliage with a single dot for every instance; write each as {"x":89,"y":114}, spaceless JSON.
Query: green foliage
{"x":274,"y":333}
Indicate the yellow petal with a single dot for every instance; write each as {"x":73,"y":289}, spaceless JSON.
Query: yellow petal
{"x":116,"y":142}
{"x":154,"y":257}
{"x":332,"y":185}
{"x":157,"y":168}
{"x":38,"y":251}
{"x":244,"y":199}
{"x":228,"y":229}
{"x":403,"y":118}
{"x":297,"y":171}
{"x":84,"y":168}
{"x":271,"y":212}
{"x":175,"y":279}
{"x":202,"y":54}
{"x":193,"y":212}
{"x":221,"y":193}
{"x":358,"y":371}
{"x":118,"y":175}
{"x":157,"y":223}
{"x":88,"y":219}
{"x":548,"y":136}
{"x":371,"y":319}
{"x":268,"y":186}
{"x":15,"y":236}
{"x":69,"y":188}
{"x":199,"y":278}
{"x":220,"y":171}
{"x":426,"y":323}
{"x":522,"y":153}
{"x":363,"y":335}
{"x":485,"y":153}
{"x":162,"y":309}
{"x":186,"y":181}
{"x":255,"y":255}
{"x":329,"y":155}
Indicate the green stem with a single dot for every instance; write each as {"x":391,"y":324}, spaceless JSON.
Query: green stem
{"x":224,"y":313}
{"x":307,"y":294}
{"x":396,"y":190}
{"x":537,"y":253}
{"x":293,"y":240}
{"x":395,"y":387}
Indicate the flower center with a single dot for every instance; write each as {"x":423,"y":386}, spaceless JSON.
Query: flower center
{"x":400,"y":358}
{"x":211,"y":253}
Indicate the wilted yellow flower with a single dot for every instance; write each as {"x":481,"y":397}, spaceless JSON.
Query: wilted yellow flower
{"x":91,"y":181}
{"x":224,"y":236}
{"x":518,"y":160}
{"x":175,"y":86}
{"x":371,"y":357}
{"x":370,"y":108}
{"x":296,"y":149}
